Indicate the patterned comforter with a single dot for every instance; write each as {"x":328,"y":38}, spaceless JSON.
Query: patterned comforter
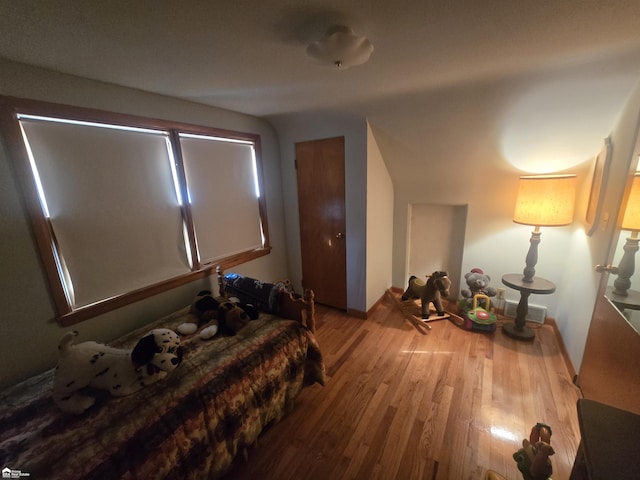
{"x":189,"y":425}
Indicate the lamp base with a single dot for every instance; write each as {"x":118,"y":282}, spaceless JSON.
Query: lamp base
{"x":532,"y":256}
{"x":626,"y":267}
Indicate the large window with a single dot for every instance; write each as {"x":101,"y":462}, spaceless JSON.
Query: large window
{"x":125,"y":207}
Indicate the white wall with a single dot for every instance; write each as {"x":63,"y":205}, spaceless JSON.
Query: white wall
{"x":379,"y":223}
{"x":314,"y":126}
{"x":26,"y":317}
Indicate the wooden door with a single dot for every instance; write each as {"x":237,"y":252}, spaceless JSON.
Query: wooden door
{"x":321,"y":203}
{"x":610,"y":370}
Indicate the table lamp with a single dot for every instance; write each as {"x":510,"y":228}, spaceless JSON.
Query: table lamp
{"x":630,"y":221}
{"x":543,"y":201}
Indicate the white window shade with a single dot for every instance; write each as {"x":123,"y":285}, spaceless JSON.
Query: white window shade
{"x":221,"y":179}
{"x":112,"y":206}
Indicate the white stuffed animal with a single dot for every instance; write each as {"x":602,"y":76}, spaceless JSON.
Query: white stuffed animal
{"x":119,"y":371}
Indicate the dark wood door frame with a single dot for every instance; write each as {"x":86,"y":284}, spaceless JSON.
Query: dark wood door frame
{"x":321,"y":202}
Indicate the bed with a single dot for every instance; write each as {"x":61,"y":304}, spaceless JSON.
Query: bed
{"x":192,"y":424}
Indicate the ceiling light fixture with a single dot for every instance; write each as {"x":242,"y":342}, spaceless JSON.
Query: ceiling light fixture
{"x":340,"y":48}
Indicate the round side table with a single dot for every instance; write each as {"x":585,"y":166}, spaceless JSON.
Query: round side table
{"x":518,"y":329}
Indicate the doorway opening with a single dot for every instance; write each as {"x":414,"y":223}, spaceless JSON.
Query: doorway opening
{"x":436,"y":241}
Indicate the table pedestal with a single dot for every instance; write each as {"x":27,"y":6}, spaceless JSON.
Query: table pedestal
{"x":518,"y":329}
{"x":630,"y":301}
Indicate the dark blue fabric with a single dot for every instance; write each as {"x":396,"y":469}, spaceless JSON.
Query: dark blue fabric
{"x":263,"y":296}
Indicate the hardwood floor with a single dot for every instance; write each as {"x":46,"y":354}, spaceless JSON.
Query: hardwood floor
{"x":401,"y":404}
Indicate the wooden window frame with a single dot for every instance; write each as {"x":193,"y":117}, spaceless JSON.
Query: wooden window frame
{"x":11,"y":108}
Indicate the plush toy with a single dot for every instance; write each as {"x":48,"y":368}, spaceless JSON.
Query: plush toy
{"x":233,"y":315}
{"x":203,"y":311}
{"x":478,"y":282}
{"x":119,"y":371}
{"x":533,"y":458}
{"x":436,"y":286}
{"x":227,"y":316}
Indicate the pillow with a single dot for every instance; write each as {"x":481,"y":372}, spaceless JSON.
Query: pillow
{"x":264,"y":296}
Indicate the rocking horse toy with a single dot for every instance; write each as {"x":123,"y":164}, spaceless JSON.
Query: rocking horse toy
{"x":431,"y":291}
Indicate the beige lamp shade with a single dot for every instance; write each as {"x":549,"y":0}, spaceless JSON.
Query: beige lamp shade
{"x":631,"y":220}
{"x":545,"y":200}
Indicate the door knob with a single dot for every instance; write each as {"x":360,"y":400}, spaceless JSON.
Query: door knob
{"x":340,"y":235}
{"x":606,"y":268}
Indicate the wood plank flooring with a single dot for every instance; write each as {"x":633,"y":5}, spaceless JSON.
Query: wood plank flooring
{"x":403,"y":404}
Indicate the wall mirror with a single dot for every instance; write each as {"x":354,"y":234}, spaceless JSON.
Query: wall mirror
{"x":608,"y":372}
{"x":623,"y":291}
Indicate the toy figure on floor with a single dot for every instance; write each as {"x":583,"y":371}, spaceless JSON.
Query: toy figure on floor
{"x":431,"y":291}
{"x":533,"y":458}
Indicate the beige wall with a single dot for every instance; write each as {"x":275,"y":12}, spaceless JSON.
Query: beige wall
{"x":26,"y":316}
{"x":379,"y":223}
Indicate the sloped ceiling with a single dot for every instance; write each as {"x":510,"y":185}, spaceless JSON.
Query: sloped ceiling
{"x":446,"y":77}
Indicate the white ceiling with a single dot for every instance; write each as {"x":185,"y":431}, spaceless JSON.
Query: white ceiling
{"x":481,"y":68}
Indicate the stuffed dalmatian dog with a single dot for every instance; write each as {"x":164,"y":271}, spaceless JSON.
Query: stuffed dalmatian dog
{"x":119,"y":371}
